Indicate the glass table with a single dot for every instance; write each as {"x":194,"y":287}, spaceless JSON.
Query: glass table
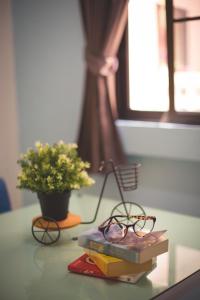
{"x":32,"y":271}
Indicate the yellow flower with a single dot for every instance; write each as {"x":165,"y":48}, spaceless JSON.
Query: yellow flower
{"x":63,"y":157}
{"x":75,"y":186}
{"x":38,"y":144}
{"x":91,"y":181}
{"x":48,"y":179}
{"x":40,"y":151}
{"x":86,"y":165}
{"x":22,"y":176}
{"x":72,"y":146}
{"x":84,"y":175}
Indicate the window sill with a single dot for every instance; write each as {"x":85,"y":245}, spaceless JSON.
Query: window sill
{"x":154,"y":139}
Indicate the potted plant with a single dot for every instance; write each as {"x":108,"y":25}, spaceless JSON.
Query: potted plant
{"x":53,"y":171}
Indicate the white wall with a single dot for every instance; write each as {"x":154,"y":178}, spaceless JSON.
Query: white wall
{"x":8,"y":114}
{"x":49,"y":70}
{"x":50,"y":74}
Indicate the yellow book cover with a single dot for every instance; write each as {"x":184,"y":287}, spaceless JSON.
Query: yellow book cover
{"x":112,"y":266}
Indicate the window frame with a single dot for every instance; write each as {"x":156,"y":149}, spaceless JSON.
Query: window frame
{"x":122,"y":78}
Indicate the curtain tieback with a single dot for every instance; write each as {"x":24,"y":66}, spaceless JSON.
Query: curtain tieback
{"x":101,"y":65}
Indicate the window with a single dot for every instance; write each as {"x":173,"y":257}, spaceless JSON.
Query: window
{"x":160,"y":62}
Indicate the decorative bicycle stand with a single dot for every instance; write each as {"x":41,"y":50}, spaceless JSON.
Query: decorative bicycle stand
{"x":47,"y":231}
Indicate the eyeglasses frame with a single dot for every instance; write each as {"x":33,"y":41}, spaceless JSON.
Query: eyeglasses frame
{"x":102,"y":227}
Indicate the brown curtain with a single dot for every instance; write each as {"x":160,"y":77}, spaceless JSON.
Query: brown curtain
{"x":104,"y":22}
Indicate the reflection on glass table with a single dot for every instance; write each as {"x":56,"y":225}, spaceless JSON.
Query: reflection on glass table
{"x":32,"y":271}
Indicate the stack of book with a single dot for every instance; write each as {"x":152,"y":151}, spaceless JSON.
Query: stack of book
{"x":127,"y":260}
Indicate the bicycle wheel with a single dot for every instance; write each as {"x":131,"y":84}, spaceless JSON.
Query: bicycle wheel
{"x":45,"y":231}
{"x":127,"y":209}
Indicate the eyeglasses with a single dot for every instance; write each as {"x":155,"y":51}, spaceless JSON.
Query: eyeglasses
{"x":114,"y":230}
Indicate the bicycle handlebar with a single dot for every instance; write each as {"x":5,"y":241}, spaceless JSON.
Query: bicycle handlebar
{"x":104,"y":163}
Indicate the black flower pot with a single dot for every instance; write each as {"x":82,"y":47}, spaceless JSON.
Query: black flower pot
{"x":54,"y":205}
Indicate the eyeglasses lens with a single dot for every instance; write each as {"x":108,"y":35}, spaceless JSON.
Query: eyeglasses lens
{"x":142,"y":227}
{"x":115,"y":232}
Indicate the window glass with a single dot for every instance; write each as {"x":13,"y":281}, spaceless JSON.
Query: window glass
{"x":148,"y":73}
{"x":187,"y":66}
{"x":192,"y":8}
{"x":160,"y":91}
